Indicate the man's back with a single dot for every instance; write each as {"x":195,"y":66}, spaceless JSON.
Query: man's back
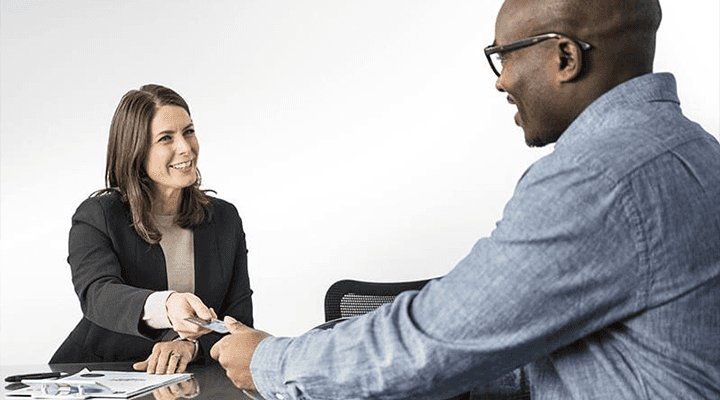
{"x":663,"y":173}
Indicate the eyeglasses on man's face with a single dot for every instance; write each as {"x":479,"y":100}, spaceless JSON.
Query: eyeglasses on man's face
{"x":494,"y":53}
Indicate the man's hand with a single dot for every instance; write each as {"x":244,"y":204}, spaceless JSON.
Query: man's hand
{"x":182,"y":305}
{"x":235,"y":351}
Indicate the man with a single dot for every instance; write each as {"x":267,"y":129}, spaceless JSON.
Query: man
{"x":601,"y":281}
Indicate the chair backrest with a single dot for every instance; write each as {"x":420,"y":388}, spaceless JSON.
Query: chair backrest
{"x":348,"y":298}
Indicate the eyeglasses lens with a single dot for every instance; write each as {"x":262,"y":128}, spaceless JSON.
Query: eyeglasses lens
{"x":496,"y":63}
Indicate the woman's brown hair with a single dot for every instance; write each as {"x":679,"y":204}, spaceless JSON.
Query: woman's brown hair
{"x":127,"y":152}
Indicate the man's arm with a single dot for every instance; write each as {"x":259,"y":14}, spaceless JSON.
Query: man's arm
{"x":562,"y":264}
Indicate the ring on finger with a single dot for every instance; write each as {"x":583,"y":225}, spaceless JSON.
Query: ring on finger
{"x":175,"y":355}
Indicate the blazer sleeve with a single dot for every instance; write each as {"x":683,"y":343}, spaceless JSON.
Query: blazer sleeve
{"x":97,"y":274}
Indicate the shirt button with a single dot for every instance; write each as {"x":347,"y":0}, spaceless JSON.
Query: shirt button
{"x":279,"y":396}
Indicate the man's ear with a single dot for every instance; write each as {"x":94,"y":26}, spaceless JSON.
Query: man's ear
{"x":570,"y":60}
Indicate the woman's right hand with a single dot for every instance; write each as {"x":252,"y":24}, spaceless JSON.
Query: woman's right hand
{"x":182,"y":305}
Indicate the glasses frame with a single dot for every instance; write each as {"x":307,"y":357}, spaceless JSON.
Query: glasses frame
{"x":490,"y":50}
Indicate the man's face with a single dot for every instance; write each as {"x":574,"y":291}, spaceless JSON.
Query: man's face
{"x":527,"y":75}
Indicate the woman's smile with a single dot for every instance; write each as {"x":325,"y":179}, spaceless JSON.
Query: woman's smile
{"x":182,"y":165}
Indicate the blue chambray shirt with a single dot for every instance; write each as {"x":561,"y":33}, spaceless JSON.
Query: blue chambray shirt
{"x":602,"y":280}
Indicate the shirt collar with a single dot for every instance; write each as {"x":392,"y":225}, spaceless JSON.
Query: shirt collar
{"x":642,"y":89}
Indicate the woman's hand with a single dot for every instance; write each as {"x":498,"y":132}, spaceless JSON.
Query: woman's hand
{"x":167,"y":358}
{"x":182,"y":305}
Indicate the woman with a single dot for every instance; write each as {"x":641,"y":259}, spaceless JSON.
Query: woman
{"x":152,"y":248}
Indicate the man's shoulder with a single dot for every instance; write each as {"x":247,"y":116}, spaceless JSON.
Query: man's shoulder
{"x":630,"y":126}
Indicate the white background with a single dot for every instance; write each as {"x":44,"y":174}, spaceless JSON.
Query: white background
{"x":358,"y":139}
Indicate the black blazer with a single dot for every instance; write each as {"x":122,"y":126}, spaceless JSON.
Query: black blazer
{"x":114,"y":271}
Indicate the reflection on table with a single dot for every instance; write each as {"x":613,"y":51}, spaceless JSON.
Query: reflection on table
{"x":207,"y":382}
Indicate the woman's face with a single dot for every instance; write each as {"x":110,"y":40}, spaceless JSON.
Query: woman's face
{"x":172,"y":159}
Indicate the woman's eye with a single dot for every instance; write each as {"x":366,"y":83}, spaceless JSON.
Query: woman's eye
{"x":164,"y":138}
{"x":189,"y":132}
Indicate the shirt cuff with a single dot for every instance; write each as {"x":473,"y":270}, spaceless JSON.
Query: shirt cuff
{"x":155,"y":312}
{"x":266,"y":368}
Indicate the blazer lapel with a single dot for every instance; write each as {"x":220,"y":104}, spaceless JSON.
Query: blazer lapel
{"x":148,"y":269}
{"x":208,"y":269}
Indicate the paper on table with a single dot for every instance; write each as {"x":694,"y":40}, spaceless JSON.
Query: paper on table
{"x":107,"y":384}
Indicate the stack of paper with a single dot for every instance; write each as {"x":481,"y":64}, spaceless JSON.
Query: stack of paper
{"x":106,"y":384}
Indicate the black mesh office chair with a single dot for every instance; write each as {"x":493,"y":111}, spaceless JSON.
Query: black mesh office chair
{"x":349,"y":298}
